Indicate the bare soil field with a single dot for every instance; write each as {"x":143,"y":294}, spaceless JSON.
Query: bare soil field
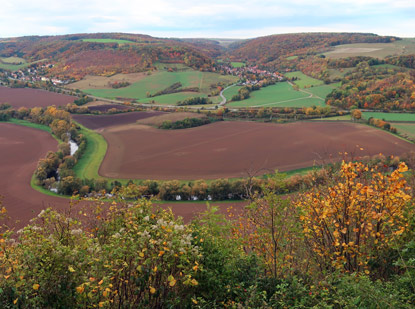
{"x":20,"y":150}
{"x":159,"y":119}
{"x":234,"y":149}
{"x":379,"y":50}
{"x":106,"y":107}
{"x":102,"y":82}
{"x":96,"y":122}
{"x":28,"y":97}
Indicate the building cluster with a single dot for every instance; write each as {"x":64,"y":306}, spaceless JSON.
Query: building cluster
{"x":251,"y":75}
{"x":34,"y":74}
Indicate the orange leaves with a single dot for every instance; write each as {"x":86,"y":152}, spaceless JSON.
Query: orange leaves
{"x":365,"y":215}
{"x":80,"y":289}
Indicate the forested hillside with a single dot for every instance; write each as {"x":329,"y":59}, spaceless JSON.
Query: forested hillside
{"x":270,"y":50}
{"x":74,"y":56}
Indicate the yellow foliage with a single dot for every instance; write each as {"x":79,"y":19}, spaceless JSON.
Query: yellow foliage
{"x":349,"y":222}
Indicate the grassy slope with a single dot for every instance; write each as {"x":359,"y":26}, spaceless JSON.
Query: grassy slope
{"x":281,"y":95}
{"x":238,"y":64}
{"x":229,"y":93}
{"x":336,"y":118}
{"x":324,"y":90}
{"x":160,"y":81}
{"x":88,"y":165}
{"x":107,"y":41}
{"x":7,"y":63}
{"x":270,"y":96}
{"x":405,"y":128}
{"x":380,"y":50}
{"x":303,"y":80}
{"x":390,"y":116}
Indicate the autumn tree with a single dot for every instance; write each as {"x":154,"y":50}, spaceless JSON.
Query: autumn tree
{"x":347,"y":225}
{"x":356,"y":114}
{"x":269,"y":228}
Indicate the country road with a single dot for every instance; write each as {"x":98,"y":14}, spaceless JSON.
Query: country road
{"x":223,"y":102}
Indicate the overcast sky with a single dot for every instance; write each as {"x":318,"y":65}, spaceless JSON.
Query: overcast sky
{"x":211,"y":18}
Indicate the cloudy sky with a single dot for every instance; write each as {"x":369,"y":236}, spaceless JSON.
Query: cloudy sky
{"x":212,"y":18}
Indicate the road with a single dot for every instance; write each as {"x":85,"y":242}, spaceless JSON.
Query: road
{"x":223,"y":102}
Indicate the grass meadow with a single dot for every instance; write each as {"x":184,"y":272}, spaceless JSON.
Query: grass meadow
{"x":379,"y":50}
{"x":237,"y":64}
{"x":15,"y":63}
{"x":88,"y":165}
{"x":390,"y":116}
{"x":161,"y":80}
{"x":304,"y":81}
{"x":405,"y":129}
{"x":107,"y":41}
{"x":282,"y":95}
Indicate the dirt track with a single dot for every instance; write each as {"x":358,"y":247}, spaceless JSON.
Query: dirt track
{"x":27,"y":97}
{"x":232,"y":149}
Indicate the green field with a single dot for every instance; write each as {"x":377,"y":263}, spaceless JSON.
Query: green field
{"x":161,"y":80}
{"x":322,"y":91}
{"x":387,"y":66}
{"x":338,"y":73}
{"x":15,"y":63}
{"x":88,"y":165}
{"x":229,"y":93}
{"x":237,"y":64}
{"x":390,"y":116}
{"x":336,"y":118}
{"x":282,"y":95}
{"x":304,"y":81}
{"x":161,"y":66}
{"x":278,"y":95}
{"x":12,"y":63}
{"x":108,"y":41}
{"x":291,"y":57}
{"x":405,"y":129}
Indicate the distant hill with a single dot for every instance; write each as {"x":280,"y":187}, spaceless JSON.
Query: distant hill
{"x":268,"y":49}
{"x":76,"y":55}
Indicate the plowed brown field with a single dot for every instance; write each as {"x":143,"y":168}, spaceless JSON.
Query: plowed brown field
{"x":27,"y":97}
{"x":20,"y":150}
{"x":105,"y":107}
{"x":102,"y":121}
{"x":232,"y":149}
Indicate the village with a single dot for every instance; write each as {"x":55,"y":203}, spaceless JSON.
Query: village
{"x":250,"y":75}
{"x":36,"y":73}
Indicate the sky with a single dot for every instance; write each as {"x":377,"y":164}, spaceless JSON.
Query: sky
{"x":209,"y":18}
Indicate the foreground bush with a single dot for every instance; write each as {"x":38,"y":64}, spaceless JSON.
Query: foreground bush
{"x":136,"y":257}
